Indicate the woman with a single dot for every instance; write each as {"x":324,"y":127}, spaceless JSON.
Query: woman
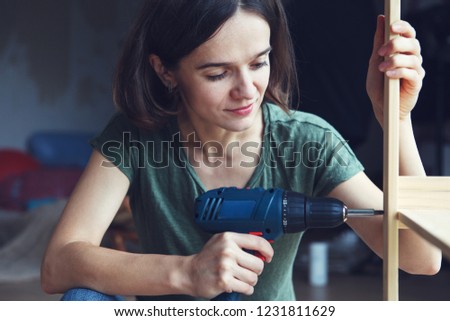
{"x":203,"y":91}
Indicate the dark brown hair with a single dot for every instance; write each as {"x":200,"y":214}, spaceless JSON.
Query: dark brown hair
{"x":172,"y":29}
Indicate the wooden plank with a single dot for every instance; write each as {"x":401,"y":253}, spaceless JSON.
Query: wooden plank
{"x":391,"y":167}
{"x":424,"y":192}
{"x":433,"y":225}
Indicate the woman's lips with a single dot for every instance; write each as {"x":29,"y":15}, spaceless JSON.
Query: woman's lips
{"x":242,"y":111}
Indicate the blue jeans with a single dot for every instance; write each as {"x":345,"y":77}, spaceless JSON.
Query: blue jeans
{"x":81,"y":294}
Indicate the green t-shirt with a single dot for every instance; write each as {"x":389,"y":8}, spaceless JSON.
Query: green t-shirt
{"x":301,"y":153}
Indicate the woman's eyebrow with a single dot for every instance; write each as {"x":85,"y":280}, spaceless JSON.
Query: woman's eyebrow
{"x":222,"y":64}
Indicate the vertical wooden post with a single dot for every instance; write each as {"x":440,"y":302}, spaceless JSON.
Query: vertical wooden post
{"x":391,"y":167}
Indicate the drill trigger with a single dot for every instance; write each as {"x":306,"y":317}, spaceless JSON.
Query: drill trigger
{"x":256,"y":253}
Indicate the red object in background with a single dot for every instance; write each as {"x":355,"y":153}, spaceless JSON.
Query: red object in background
{"x":17,"y":192}
{"x":13,"y":162}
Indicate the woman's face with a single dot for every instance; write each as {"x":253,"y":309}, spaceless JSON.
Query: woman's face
{"x":223,"y":81}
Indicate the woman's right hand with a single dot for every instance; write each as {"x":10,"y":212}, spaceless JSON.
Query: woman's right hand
{"x":224,"y":266}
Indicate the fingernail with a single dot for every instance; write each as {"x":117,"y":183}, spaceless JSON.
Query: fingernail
{"x":391,"y":73}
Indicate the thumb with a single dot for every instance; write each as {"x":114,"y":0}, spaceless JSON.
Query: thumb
{"x":378,"y":39}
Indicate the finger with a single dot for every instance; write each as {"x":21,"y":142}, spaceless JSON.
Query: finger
{"x":250,"y":262}
{"x":236,"y":285}
{"x":231,"y":245}
{"x":411,"y":77}
{"x":402,"y":61}
{"x":403,"y":28}
{"x":246,"y":276}
{"x":401,"y":45}
{"x":255,"y":243}
{"x":233,"y":278}
{"x":378,"y":39}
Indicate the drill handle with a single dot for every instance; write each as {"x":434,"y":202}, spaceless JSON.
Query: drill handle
{"x":233,"y":296}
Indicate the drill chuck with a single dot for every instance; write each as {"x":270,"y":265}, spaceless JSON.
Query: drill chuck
{"x":301,"y":213}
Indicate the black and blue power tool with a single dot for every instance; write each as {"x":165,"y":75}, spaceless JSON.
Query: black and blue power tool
{"x":268,"y":213}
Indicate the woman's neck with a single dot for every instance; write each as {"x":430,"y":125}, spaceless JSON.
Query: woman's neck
{"x":208,"y":136}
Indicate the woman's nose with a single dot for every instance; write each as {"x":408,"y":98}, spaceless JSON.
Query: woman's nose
{"x":245,"y":87}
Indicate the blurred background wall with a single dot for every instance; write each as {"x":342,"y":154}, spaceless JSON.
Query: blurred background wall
{"x":56,"y":64}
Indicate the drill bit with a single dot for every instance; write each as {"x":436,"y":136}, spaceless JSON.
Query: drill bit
{"x":356,"y":212}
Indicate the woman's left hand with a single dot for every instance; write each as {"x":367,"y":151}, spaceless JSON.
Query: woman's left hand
{"x":399,"y":58}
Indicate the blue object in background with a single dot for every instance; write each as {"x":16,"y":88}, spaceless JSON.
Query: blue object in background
{"x":61,"y":149}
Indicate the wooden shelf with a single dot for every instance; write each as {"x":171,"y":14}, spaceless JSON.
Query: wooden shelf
{"x":428,"y":192}
{"x":433,"y":225}
{"x":420,"y":203}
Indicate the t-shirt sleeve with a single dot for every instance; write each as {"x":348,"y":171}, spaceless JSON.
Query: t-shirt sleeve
{"x":114,"y":144}
{"x":338,"y":162}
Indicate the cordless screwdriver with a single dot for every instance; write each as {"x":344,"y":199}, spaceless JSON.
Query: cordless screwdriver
{"x":268,"y":213}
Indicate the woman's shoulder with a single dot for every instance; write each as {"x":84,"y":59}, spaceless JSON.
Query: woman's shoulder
{"x":294,"y":122}
{"x":119,"y":119}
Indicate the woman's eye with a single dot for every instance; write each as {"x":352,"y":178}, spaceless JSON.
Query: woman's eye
{"x":217,"y":77}
{"x":260,"y":65}
{"x":221,"y":76}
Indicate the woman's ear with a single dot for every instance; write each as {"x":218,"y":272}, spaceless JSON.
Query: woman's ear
{"x":166,"y":76}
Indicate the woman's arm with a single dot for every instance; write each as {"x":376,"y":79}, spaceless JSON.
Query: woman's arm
{"x":74,"y":257}
{"x":398,"y":59}
{"x":416,"y":255}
